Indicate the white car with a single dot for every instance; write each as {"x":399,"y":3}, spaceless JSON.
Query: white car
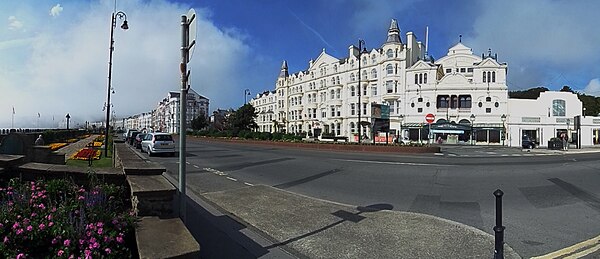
{"x":154,"y":143}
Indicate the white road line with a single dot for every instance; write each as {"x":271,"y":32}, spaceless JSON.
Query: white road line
{"x":214,"y":171}
{"x":231,"y":178}
{"x":196,"y":166}
{"x":390,"y":163}
{"x":249,"y":184}
{"x":187,"y":163}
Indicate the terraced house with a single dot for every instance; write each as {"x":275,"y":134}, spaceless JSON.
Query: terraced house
{"x":465,"y":92}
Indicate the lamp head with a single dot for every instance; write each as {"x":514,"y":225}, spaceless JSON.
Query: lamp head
{"x":124,"y":26}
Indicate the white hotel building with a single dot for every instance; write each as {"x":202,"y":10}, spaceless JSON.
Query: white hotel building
{"x":466,"y":93}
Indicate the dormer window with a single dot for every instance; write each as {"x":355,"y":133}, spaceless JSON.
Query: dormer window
{"x":389,"y":53}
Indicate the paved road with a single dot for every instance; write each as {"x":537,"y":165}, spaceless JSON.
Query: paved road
{"x":550,"y":202}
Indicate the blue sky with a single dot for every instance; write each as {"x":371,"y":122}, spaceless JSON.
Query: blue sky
{"x":54,"y":54}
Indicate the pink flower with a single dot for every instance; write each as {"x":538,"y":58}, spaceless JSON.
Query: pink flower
{"x":50,"y":224}
{"x":100,"y":231}
{"x":1,"y":225}
{"x":67,"y":242}
{"x":99,"y":224}
{"x":21,"y":255}
{"x":95,"y":245}
{"x":81,"y":190}
{"x":10,"y":203}
{"x":6,"y":240}
{"x":81,"y":198}
{"x":19,"y":231}
{"x":33,"y":214}
{"x":60,"y":253}
{"x":54,"y":241}
{"x":115,"y":222}
{"x":53,"y":209}
{"x":107,"y":250}
{"x":87,"y":253}
{"x":29,"y":228}
{"x":119,"y":239}
{"x":16,"y":225}
{"x":81,"y":241}
{"x":49,"y":217}
{"x":41,"y":206}
{"x":42,"y":226}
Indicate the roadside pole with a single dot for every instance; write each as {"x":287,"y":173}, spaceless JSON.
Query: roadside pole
{"x":185,"y":73}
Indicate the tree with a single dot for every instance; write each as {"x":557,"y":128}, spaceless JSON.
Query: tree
{"x":200,"y":122}
{"x":532,"y":93}
{"x":244,"y":118}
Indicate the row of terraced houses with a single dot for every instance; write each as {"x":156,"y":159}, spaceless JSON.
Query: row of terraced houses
{"x":466,"y":94}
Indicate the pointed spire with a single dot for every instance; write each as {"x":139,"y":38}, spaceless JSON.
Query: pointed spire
{"x":284,"y":70}
{"x":393,"y":33}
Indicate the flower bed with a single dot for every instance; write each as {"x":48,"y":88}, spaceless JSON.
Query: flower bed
{"x":86,"y":153}
{"x":97,"y":144}
{"x":56,"y":146}
{"x":58,"y":219}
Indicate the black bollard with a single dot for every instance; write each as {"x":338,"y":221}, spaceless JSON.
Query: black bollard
{"x":499,"y":229}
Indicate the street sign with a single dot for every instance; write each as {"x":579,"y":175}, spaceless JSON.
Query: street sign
{"x":191,"y":15}
{"x":380,"y":111}
{"x":429,"y":118}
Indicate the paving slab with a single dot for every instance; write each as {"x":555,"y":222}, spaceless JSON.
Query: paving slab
{"x":321,"y":229}
{"x":165,"y":238}
{"x":8,"y":161}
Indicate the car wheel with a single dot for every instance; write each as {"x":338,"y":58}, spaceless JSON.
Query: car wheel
{"x":149,"y":152}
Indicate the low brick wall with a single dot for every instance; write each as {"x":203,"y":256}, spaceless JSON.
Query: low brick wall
{"x":333,"y":146}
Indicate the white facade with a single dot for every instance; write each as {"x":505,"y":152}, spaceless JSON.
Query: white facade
{"x":550,"y":115}
{"x":165,"y":118}
{"x":325,"y":97}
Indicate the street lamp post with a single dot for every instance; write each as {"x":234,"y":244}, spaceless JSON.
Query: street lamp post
{"x":472,"y":118}
{"x":361,"y":43}
{"x":400,"y":135}
{"x":113,"y":23}
{"x":246,"y":94}
{"x":68,"y":118}
{"x":503,"y":136}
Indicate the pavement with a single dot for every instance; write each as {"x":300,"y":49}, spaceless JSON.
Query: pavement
{"x":312,"y":228}
{"x":69,"y":150}
{"x":500,"y":151}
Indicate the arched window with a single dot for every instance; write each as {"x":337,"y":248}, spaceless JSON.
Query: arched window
{"x":493,"y":77}
{"x":335,"y":68}
{"x":364,"y":75}
{"x":484,"y":77}
{"x":488,"y":99}
{"x":389,"y":53}
{"x":352,"y":91}
{"x":364,"y":60}
{"x":337,"y":80}
{"x":352,"y":77}
{"x":373,"y":73}
{"x":416,"y":79}
{"x":425,"y":78}
{"x":489,"y":76}
{"x":373,"y":59}
{"x":332,"y":96}
{"x":389,"y":69}
{"x":420,"y":78}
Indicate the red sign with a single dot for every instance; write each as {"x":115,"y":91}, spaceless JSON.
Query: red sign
{"x":429,"y":118}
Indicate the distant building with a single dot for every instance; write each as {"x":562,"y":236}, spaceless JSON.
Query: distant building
{"x":165,"y":118}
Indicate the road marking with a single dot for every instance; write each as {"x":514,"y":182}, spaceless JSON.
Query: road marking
{"x":187,"y":163}
{"x":196,"y":166}
{"x":390,"y":163}
{"x":214,"y":171}
{"x":575,"y":251}
{"x":231,"y":178}
{"x":249,"y":184}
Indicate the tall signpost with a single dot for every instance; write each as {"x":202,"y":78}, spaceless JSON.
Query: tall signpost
{"x":186,"y":46}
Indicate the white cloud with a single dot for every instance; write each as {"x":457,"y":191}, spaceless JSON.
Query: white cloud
{"x":14,"y":24}
{"x":593,"y":87}
{"x":67,"y":67}
{"x":56,"y":10}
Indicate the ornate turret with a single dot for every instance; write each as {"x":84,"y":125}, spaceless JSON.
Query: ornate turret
{"x":393,"y":33}
{"x":284,"y":70}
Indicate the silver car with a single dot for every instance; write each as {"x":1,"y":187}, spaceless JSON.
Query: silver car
{"x":154,"y":143}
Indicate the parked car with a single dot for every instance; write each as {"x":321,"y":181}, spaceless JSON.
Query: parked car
{"x":138,"y":140}
{"x":154,"y":143}
{"x":528,"y":142}
{"x":127,"y":134}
